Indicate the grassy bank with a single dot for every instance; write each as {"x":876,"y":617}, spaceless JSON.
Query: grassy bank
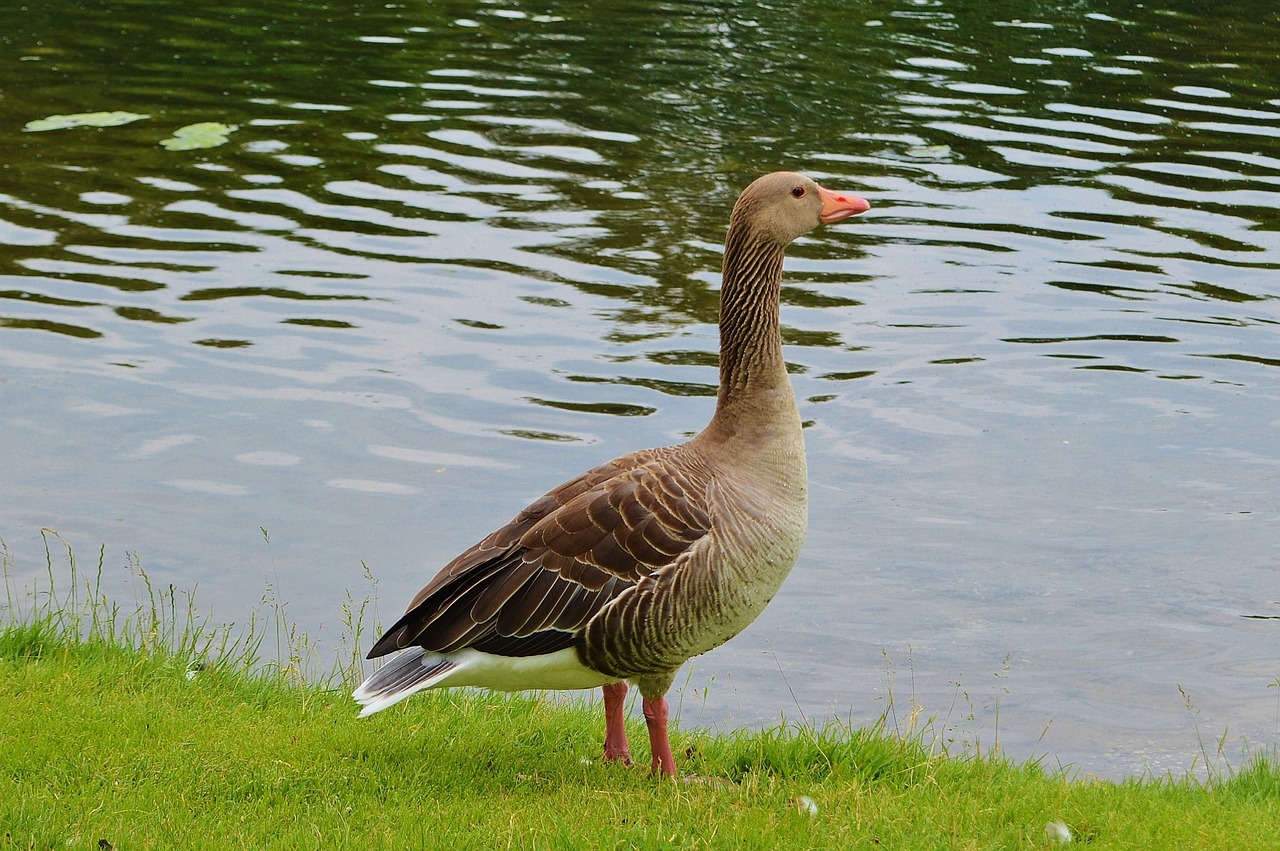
{"x":148,"y":730}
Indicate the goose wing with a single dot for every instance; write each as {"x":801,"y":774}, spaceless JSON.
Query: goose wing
{"x":530,"y":587}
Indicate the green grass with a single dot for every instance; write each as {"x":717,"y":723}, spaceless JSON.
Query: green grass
{"x":148,"y":729}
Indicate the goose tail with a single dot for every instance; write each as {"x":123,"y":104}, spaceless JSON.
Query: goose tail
{"x":410,"y":672}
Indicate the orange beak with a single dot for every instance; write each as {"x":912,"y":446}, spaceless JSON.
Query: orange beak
{"x":838,"y":205}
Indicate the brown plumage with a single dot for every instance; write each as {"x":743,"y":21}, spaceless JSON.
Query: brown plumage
{"x":633,"y":567}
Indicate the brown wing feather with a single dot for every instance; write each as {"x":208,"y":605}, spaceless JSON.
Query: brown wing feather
{"x":531,"y":586}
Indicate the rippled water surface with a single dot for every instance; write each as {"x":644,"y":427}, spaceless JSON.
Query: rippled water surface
{"x":455,"y":252}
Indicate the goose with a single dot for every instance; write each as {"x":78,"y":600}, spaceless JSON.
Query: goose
{"x":630,"y":569}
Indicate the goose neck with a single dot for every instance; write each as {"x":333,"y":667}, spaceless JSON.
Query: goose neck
{"x":753,"y":378}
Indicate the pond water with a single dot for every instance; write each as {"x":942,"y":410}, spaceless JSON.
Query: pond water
{"x":455,"y":252}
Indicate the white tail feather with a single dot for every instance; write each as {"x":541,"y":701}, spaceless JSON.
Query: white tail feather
{"x":410,"y":672}
{"x":416,"y":669}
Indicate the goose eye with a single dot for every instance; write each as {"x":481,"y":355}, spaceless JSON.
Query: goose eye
{"x":798,"y":192}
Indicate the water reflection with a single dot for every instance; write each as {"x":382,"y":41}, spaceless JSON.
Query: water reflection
{"x":453,"y":252}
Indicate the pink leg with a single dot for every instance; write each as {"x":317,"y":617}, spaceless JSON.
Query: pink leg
{"x":615,"y":723}
{"x":655,"y":716}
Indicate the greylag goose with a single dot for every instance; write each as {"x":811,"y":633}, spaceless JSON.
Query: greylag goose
{"x":635,"y":566}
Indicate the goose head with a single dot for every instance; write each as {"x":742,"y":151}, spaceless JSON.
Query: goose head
{"x":782,"y":206}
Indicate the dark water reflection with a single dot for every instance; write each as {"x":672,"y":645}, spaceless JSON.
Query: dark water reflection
{"x":455,"y":252}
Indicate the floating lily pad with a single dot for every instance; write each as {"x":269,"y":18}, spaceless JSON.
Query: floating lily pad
{"x":206,"y":134}
{"x":83,"y":119}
